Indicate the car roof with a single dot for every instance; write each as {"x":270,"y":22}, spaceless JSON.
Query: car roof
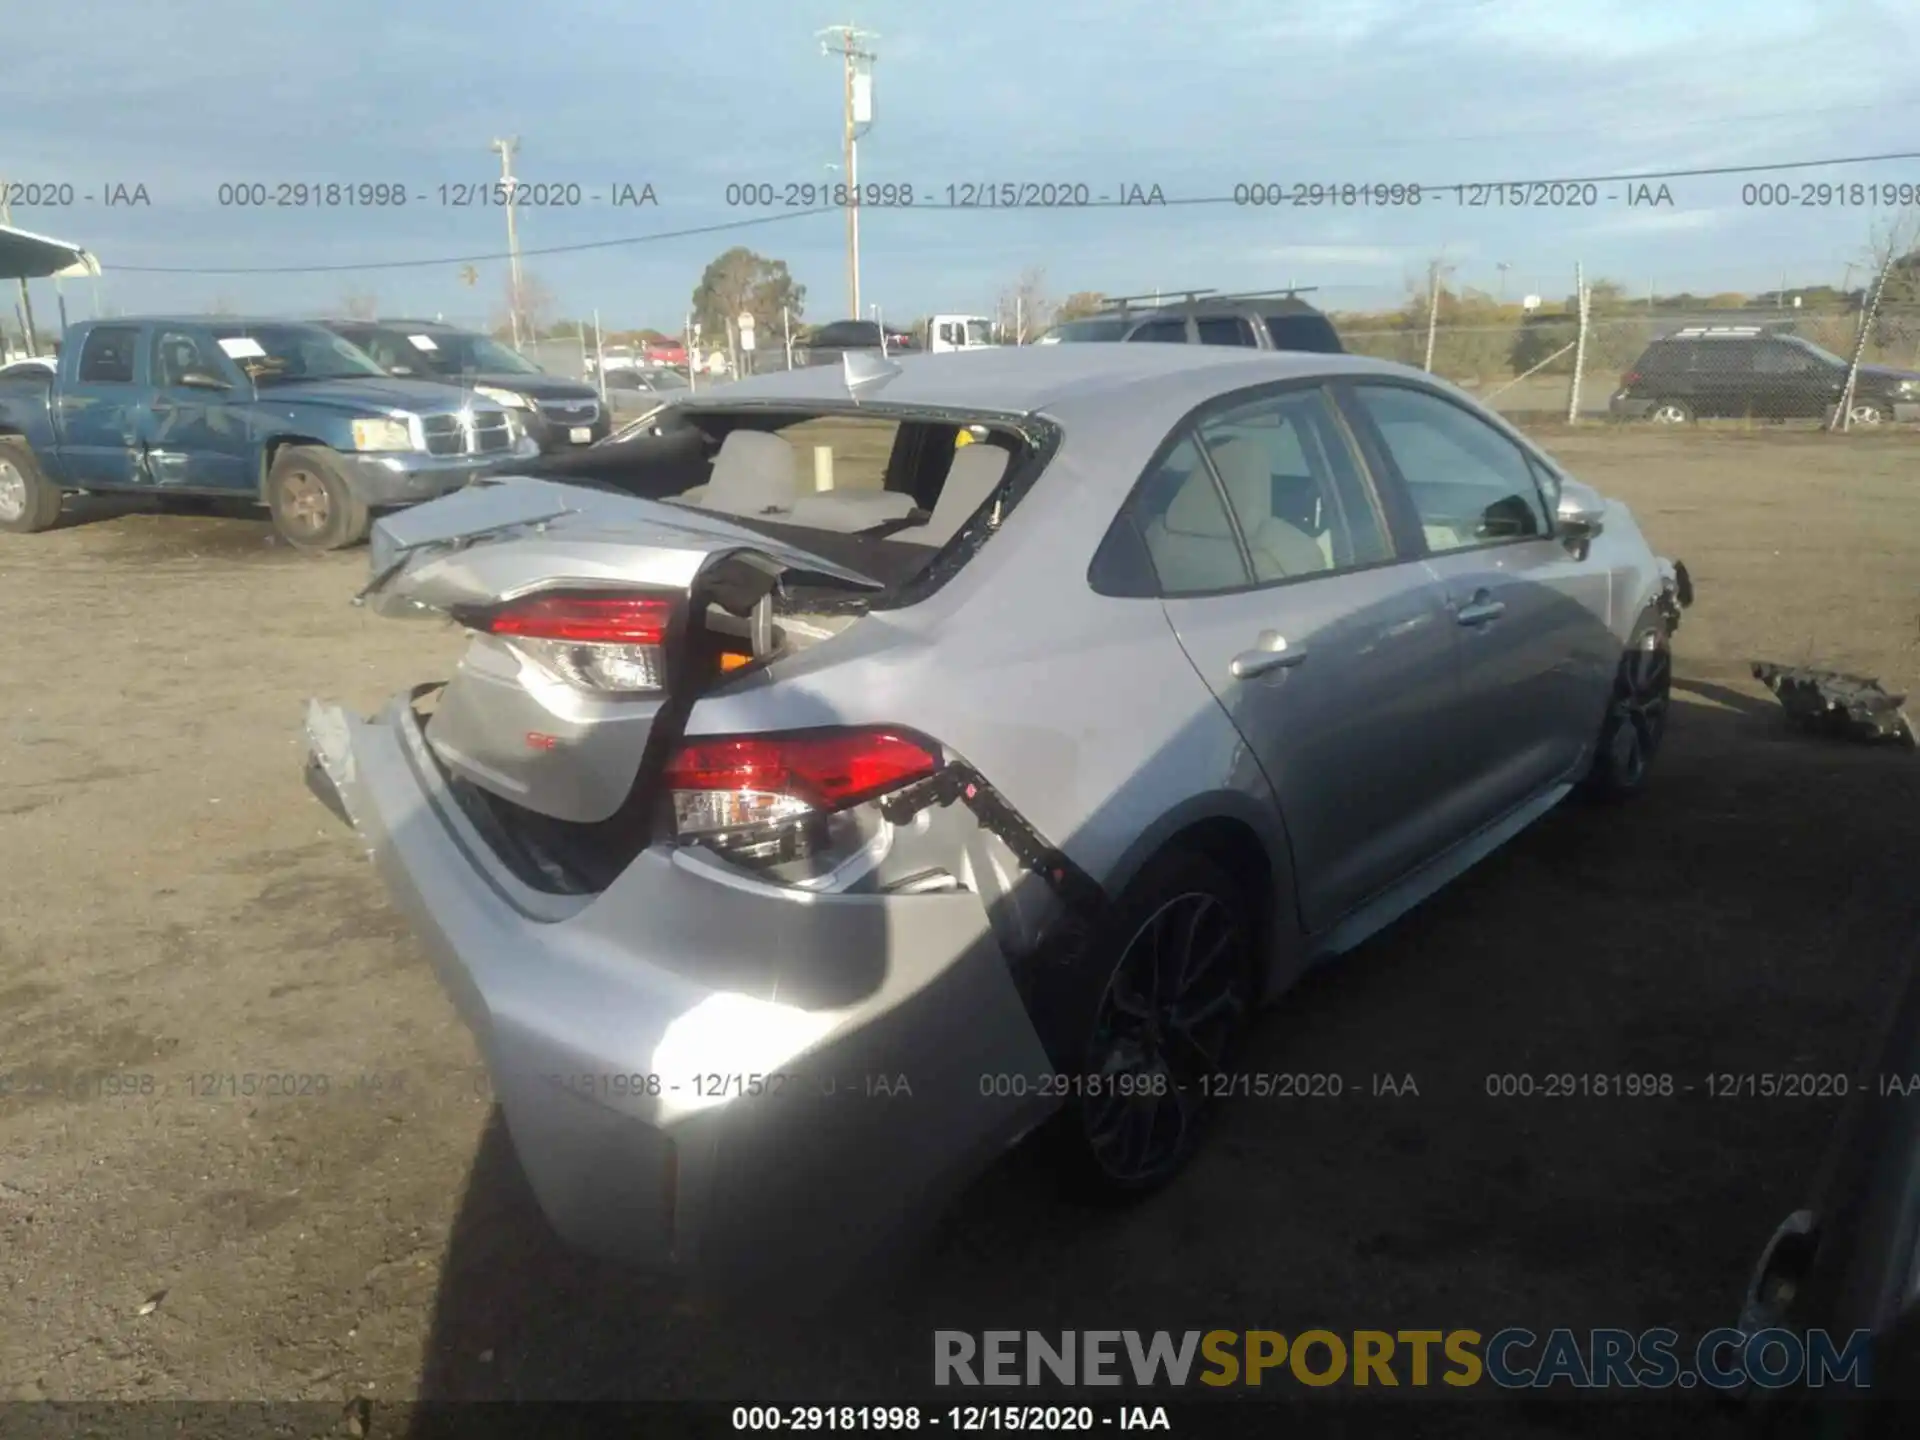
{"x":1029,"y":379}
{"x":207,"y":320}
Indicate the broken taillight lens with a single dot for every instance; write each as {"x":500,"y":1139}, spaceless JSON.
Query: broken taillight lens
{"x":758,"y":789}
{"x":613,"y":644}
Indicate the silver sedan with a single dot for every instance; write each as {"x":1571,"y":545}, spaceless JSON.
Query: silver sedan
{"x":869,"y":765}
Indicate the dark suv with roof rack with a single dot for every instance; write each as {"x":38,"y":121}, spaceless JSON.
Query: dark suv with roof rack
{"x":1260,"y":320}
{"x":1761,"y":372}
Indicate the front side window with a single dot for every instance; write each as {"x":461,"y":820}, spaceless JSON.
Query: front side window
{"x":1470,"y":484}
{"x":1163,"y":332}
{"x":1225,"y":330}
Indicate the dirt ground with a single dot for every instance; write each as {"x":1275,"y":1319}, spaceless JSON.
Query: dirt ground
{"x":178,"y":915}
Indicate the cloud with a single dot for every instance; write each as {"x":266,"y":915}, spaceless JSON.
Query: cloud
{"x":1363,"y":257}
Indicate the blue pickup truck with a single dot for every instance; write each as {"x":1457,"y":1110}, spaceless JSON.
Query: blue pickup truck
{"x":282,"y":413}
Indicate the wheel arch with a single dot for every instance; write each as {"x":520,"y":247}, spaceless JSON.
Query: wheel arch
{"x":1246,"y":839}
{"x":271,"y":448}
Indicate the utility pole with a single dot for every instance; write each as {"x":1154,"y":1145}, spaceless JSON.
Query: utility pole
{"x":507,"y":149}
{"x":857,"y":119}
{"x":26,"y":295}
{"x":1435,"y":272}
{"x":1503,"y":266}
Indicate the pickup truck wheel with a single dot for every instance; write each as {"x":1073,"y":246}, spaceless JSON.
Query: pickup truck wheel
{"x":29,"y":502}
{"x":313,"y":506}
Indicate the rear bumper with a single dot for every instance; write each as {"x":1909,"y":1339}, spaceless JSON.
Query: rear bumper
{"x":1629,"y":407}
{"x":408,"y":479}
{"x":701,"y":1072}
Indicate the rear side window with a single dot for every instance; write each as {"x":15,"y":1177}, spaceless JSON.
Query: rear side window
{"x":1184,"y":522}
{"x":1662,"y":360}
{"x":1313,"y":334}
{"x":1294,"y":487}
{"x":1725,"y":357}
{"x":107,"y":357}
{"x":1226,"y":330}
{"x":1164,"y":332}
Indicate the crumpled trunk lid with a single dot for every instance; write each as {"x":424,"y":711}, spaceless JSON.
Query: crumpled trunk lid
{"x":511,"y":726}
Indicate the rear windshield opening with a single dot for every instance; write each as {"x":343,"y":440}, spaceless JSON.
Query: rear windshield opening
{"x":884,"y":495}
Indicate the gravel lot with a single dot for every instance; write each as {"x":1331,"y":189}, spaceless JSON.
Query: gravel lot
{"x":180,"y":914}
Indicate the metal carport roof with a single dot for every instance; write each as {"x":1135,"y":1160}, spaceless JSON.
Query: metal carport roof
{"x":27,"y":256}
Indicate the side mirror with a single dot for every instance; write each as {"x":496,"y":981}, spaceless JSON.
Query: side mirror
{"x":1580,"y":514}
{"x":202,"y":380}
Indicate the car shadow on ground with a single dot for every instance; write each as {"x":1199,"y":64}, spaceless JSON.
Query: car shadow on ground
{"x":1744,"y":915}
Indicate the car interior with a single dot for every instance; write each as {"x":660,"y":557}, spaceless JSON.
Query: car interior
{"x":885,"y":498}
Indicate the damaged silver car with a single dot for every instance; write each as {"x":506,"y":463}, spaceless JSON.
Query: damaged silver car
{"x":866,"y":766}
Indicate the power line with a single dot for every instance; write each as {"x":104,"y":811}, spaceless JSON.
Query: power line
{"x":1694,"y":173}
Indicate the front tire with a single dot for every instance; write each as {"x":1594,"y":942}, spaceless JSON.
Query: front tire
{"x":1637,"y":713}
{"x":313,"y":505}
{"x":1866,"y":412}
{"x":1155,"y":1013}
{"x":29,"y":502}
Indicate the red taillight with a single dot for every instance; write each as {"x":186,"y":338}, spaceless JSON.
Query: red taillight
{"x":613,"y":644}
{"x":1632,"y":377}
{"x":585,"y":619}
{"x":750,"y":784}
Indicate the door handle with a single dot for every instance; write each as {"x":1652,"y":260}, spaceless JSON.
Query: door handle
{"x":1272,"y":653}
{"x":1480,"y":610}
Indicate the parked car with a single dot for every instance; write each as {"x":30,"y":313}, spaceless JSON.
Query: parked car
{"x":827,"y":343}
{"x":1273,"y":320}
{"x":1845,"y":1264}
{"x":273,"y":410}
{"x":656,"y":380}
{"x":559,"y":413}
{"x":1008,"y":774}
{"x":1755,"y":371}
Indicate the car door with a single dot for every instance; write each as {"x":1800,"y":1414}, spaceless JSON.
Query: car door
{"x":194,"y":436}
{"x":1530,"y":615}
{"x":1329,"y":647}
{"x":96,"y":407}
{"x":1723,"y":378}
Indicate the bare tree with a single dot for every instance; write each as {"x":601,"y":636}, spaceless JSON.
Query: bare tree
{"x":1024,"y":310}
{"x":1893,"y":260}
{"x":536,"y":307}
{"x":360,"y":305}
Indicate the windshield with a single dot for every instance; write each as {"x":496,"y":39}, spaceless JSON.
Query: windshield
{"x":1825,"y":355}
{"x":1074,"y":331}
{"x":460,"y":353}
{"x":283,"y":354}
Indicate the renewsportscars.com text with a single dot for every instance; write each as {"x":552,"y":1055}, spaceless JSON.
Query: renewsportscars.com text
{"x":1513,"y":1359}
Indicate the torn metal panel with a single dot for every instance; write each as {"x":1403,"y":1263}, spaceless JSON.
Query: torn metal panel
{"x":1853,"y":707}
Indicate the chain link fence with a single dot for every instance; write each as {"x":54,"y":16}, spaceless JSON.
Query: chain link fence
{"x":1783,"y":366}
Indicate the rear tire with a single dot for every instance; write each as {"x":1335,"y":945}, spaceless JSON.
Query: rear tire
{"x":313,"y":505}
{"x":1866,"y":412}
{"x":29,"y":502}
{"x":1670,"y":412}
{"x":1637,"y":714}
{"x":1153,"y":1013}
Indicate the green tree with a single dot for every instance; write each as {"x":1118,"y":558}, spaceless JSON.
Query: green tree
{"x":1079,"y":305}
{"x":741,"y":280}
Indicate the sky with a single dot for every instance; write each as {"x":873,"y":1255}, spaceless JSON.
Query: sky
{"x":186,"y":97}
